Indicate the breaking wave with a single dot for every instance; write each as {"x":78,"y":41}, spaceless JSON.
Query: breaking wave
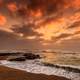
{"x":35,"y":66}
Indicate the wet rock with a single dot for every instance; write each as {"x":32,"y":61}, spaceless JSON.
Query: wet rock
{"x":17,"y":59}
{"x":31,"y":56}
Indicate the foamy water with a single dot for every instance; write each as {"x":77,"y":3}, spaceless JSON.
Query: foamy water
{"x":34,"y":66}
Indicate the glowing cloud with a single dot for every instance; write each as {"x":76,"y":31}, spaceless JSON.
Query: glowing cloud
{"x":2,"y":20}
{"x":46,"y":19}
{"x":12,"y":7}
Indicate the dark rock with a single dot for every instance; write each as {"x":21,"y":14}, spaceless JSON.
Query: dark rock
{"x":31,"y":56}
{"x":17,"y":59}
{"x":9,"y":54}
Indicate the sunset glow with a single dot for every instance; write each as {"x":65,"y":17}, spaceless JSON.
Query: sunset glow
{"x":12,"y":7}
{"x":2,"y":20}
{"x":55,"y":21}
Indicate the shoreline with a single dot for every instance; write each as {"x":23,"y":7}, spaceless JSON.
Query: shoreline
{"x":32,"y":66}
{"x":7,"y":73}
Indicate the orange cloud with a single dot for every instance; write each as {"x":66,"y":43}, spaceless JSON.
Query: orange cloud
{"x":2,"y":20}
{"x":49,"y":30}
{"x":1,"y":1}
{"x":76,"y":3}
{"x":37,"y":13}
{"x":52,"y":18}
{"x":12,"y":7}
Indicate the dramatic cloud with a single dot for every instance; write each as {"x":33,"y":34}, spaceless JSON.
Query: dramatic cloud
{"x":12,"y":41}
{"x":40,"y":21}
{"x":75,"y":24}
{"x":63,"y":36}
{"x":3,"y":20}
{"x":12,"y":7}
{"x":25,"y":30}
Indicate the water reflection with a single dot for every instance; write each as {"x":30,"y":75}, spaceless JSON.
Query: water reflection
{"x":61,"y":58}
{"x":50,"y":57}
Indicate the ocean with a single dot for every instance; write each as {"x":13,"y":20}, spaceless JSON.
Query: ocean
{"x":60,"y":64}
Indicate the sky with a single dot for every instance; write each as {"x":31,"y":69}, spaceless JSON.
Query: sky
{"x":40,"y":24}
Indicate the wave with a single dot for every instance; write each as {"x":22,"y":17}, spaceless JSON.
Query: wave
{"x":35,"y":66}
{"x":70,"y":68}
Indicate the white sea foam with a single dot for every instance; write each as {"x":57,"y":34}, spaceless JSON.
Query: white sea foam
{"x":34,"y":66}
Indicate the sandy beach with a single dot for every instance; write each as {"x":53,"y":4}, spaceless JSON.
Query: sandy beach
{"x":14,"y":74}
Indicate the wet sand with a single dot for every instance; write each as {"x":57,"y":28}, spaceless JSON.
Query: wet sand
{"x":14,"y":74}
